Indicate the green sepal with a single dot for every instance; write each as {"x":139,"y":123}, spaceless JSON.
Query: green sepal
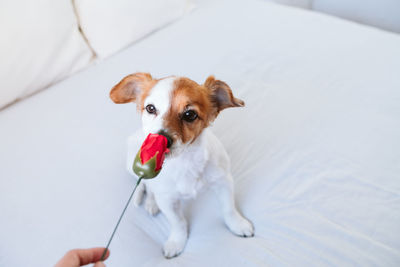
{"x":147,"y":170}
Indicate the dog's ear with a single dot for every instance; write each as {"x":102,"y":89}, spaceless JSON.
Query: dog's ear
{"x":130,"y":87}
{"x":221,"y":94}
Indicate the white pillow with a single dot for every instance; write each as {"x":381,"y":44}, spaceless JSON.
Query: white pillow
{"x":40,"y":44}
{"x":112,"y":25}
{"x":380,"y":13}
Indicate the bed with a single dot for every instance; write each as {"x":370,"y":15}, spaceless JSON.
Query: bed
{"x":315,"y":153}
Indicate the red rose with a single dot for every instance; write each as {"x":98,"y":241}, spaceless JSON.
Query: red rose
{"x":154,"y":145}
{"x":149,"y":160}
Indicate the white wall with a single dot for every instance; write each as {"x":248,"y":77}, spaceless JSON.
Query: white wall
{"x":383,"y":14}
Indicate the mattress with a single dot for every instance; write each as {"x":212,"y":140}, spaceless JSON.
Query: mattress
{"x":315,"y":153}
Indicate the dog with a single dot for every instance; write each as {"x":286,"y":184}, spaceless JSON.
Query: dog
{"x":181,"y":110}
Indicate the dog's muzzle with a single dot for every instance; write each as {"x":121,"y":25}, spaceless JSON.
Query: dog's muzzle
{"x":166,"y":135}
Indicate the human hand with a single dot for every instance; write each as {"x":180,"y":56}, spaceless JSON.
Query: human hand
{"x":80,"y":257}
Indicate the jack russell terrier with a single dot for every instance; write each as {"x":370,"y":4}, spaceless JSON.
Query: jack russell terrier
{"x":181,"y":110}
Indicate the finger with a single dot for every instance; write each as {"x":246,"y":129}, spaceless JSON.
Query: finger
{"x":79,"y":257}
{"x":91,"y":255}
{"x":99,"y":264}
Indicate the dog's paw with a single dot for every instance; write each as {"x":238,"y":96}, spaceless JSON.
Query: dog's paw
{"x":173,"y":248}
{"x":151,"y":205}
{"x":138,"y":197}
{"x":240,"y":226}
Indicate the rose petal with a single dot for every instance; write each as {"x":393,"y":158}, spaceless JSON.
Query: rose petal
{"x":152,"y":144}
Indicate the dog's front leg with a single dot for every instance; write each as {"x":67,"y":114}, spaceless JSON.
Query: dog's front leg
{"x":238,"y":224}
{"x":172,"y":210}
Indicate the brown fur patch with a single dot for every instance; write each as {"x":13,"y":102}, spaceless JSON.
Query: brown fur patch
{"x":134,"y":87}
{"x":221,"y":94}
{"x":186,"y":95}
{"x":145,"y":92}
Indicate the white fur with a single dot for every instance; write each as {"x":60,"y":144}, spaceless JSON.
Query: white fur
{"x":203,"y":163}
{"x":160,"y":97}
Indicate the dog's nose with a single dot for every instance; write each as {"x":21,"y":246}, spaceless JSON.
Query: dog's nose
{"x":169,"y":138}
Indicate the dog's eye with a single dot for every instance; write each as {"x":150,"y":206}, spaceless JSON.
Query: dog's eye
{"x":151,"y":109}
{"x":189,"y":116}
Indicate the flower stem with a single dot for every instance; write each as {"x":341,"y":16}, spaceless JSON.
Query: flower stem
{"x":122,"y":214}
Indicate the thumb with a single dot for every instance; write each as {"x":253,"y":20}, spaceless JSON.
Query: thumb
{"x":99,"y":264}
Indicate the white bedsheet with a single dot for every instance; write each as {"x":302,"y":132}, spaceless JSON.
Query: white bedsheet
{"x":315,"y":152}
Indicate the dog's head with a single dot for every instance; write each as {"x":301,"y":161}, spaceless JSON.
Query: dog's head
{"x":175,"y":107}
